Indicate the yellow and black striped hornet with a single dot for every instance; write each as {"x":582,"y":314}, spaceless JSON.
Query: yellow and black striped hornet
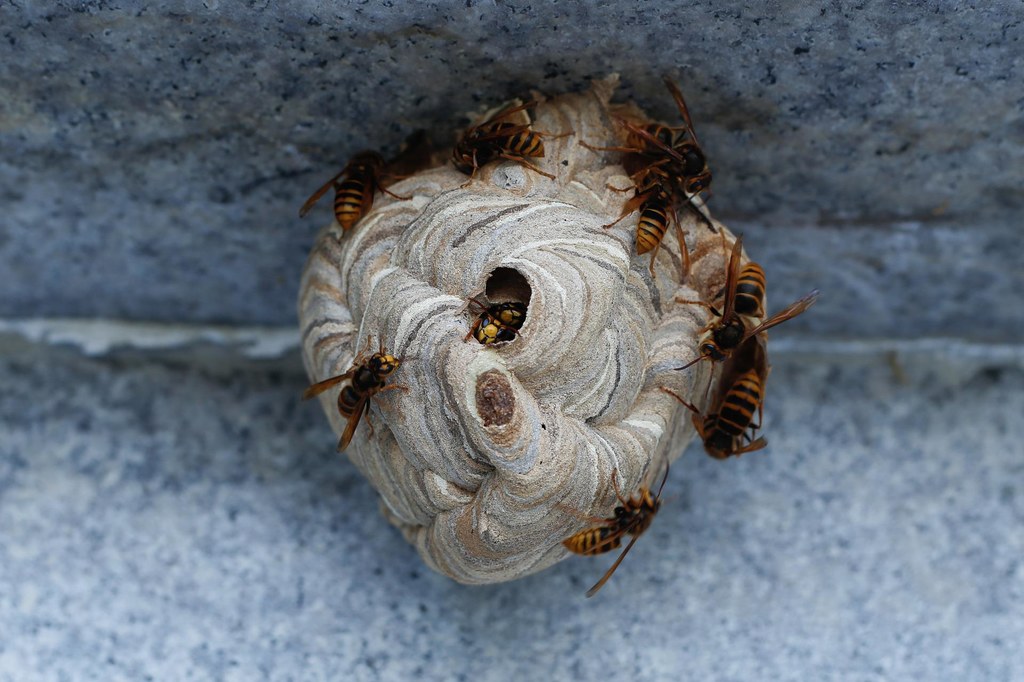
{"x":673,"y":151}
{"x":727,"y":329}
{"x":354,"y":188}
{"x":498,"y":323}
{"x":668,"y":168}
{"x":682,"y":169}
{"x":366,"y":379}
{"x":497,"y":138}
{"x":750,"y":287}
{"x":365,"y":174}
{"x":691,"y":165}
{"x":632,"y":516}
{"x":657,"y":210}
{"x":728,"y":430}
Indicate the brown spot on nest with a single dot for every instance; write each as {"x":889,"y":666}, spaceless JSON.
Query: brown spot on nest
{"x":494,"y":399}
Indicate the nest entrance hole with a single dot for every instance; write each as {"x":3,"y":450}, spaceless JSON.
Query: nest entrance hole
{"x":503,"y":309}
{"x":507,"y":284}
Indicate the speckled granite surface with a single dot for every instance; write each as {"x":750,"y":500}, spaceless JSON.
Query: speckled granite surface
{"x":163,"y":521}
{"x":145,"y":147}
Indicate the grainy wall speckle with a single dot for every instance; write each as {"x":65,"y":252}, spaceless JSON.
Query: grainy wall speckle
{"x":161,"y":520}
{"x":152,"y":160}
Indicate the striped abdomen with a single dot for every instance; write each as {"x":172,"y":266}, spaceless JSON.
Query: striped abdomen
{"x":650,"y":229}
{"x":594,"y":541}
{"x":353,"y":197}
{"x":353,"y":393}
{"x":739,"y":405}
{"x":750,"y":287}
{"x":348,"y":400}
{"x":525,"y":143}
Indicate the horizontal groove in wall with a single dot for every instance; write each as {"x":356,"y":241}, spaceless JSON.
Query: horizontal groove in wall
{"x":103,"y":337}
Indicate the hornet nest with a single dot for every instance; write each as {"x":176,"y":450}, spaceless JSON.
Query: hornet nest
{"x":496,"y":453}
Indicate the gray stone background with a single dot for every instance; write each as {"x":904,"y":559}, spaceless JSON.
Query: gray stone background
{"x":152,"y":160}
{"x":168,"y":510}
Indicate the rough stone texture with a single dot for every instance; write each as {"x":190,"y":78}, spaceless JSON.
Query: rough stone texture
{"x":900,"y":281}
{"x":166,"y":521}
{"x":152,"y":159}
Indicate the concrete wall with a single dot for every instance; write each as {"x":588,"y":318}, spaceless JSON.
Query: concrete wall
{"x":152,"y":159}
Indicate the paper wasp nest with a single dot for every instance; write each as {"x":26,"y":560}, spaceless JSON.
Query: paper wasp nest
{"x":497,"y":453}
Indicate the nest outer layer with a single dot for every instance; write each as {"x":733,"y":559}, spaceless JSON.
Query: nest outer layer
{"x":495,"y":454}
